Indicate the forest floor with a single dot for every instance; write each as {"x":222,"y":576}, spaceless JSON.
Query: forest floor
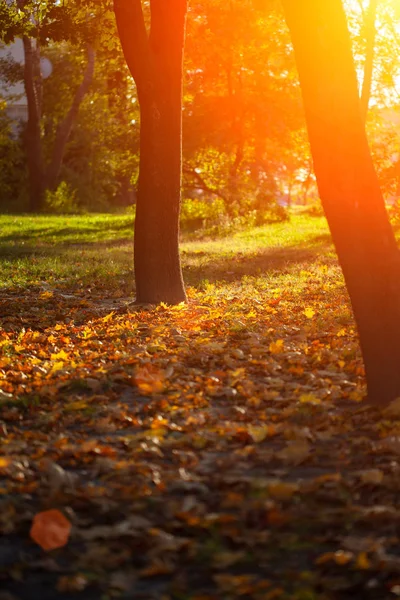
{"x":215,"y":450}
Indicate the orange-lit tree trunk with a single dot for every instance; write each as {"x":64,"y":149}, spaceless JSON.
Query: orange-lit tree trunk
{"x":155,"y":62}
{"x":349,"y":187}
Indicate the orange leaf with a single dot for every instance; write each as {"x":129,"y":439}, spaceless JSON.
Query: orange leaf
{"x":276,"y":347}
{"x":50,"y":529}
{"x":4,"y":462}
{"x":150,"y":380}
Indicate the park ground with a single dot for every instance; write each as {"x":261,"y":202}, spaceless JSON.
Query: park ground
{"x":215,"y":450}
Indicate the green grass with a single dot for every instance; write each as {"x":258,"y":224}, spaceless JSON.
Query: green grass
{"x":97,"y":250}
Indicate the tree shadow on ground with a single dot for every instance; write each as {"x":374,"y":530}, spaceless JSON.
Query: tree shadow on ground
{"x":49,"y":235}
{"x":95,"y":292}
{"x":199,"y":267}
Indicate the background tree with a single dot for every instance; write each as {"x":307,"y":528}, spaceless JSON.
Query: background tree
{"x":349,"y":186}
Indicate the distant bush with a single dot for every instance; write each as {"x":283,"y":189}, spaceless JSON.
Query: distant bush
{"x":211,"y":217}
{"x":62,"y":200}
{"x":315,"y":210}
{"x":201,"y":214}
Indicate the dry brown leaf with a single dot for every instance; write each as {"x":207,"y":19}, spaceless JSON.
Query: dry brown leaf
{"x":295,"y":452}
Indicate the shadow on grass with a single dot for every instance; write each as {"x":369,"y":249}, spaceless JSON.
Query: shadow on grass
{"x":88,"y":286}
{"x":47,"y":248}
{"x":235,"y":267}
{"x":66,"y":235}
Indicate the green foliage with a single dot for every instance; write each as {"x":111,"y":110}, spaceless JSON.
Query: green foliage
{"x":12,"y":165}
{"x":198,"y":213}
{"x":62,"y":200}
{"x":212,"y":218}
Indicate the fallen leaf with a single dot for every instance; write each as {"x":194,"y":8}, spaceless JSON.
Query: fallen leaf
{"x":50,"y":529}
{"x":373,"y":476}
{"x":281,"y":490}
{"x":309,"y":399}
{"x":295,"y":452}
{"x":276,"y":347}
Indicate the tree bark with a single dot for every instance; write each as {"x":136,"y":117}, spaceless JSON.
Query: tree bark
{"x":370,"y":36}
{"x":65,"y":127}
{"x":349,"y":187}
{"x":33,"y":130}
{"x":155,"y":62}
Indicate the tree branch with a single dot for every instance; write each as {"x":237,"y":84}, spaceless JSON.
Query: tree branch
{"x":370,"y":23}
{"x":134,"y":40}
{"x":65,"y":127}
{"x":201,"y":184}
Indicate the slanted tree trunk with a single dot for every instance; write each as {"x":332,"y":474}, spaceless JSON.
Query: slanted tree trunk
{"x":65,"y":127}
{"x":370,"y":36}
{"x":349,"y":187}
{"x":33,"y":128}
{"x":155,"y":62}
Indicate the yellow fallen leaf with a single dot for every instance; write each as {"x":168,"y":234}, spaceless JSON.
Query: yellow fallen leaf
{"x":276,"y":347}
{"x":62,"y":355}
{"x":259,"y":433}
{"x":78,"y":405}
{"x":45,"y":295}
{"x":108,"y":317}
{"x":363,"y":562}
{"x":309,"y":399}
{"x":374,"y":476}
{"x":309,"y":312}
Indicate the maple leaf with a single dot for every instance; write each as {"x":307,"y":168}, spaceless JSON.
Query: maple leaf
{"x":59,"y":356}
{"x":50,"y":529}
{"x":309,"y":312}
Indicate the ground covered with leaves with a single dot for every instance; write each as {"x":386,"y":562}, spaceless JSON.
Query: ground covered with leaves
{"x":219,"y":449}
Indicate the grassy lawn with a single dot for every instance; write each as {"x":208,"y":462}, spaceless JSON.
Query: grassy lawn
{"x":49,"y":248}
{"x":214,"y":450}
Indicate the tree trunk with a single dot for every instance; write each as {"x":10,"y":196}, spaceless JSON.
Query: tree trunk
{"x":370,"y":36}
{"x":156,"y":65}
{"x":349,"y":187}
{"x":33,"y":132}
{"x":65,"y":127}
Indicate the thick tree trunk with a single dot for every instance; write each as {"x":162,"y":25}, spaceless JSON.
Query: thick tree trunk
{"x":65,"y":127}
{"x":156,"y":65}
{"x":370,"y":36}
{"x":349,"y":187}
{"x":33,"y":132}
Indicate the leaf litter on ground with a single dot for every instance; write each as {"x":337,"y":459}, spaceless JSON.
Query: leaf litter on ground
{"x":212,"y":450}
